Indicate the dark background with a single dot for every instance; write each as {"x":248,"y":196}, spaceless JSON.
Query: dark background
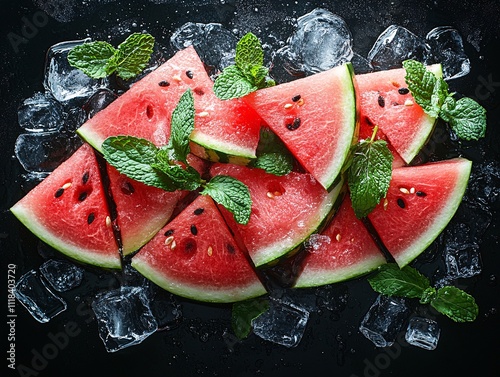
{"x":332,"y":344}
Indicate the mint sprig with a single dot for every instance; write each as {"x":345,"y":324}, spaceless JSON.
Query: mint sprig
{"x":407,"y":282}
{"x":466,"y":117}
{"x":247,"y":75}
{"x":167,"y":167}
{"x":100,"y":59}
{"x":272,"y":154}
{"x":369,"y":173}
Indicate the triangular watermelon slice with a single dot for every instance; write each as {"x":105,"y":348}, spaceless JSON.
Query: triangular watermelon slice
{"x":385,"y":101}
{"x":342,"y":251}
{"x":419,"y":204}
{"x":285,"y":210}
{"x":315,"y":117}
{"x":223,"y":129}
{"x":68,"y":210}
{"x":195,"y":256}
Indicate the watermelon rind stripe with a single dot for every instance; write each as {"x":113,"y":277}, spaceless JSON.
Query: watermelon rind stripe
{"x":223,"y":154}
{"x":441,"y":221}
{"x":197,"y":292}
{"x":93,"y":257}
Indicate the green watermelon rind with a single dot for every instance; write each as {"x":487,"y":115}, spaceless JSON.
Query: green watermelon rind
{"x":435,"y":228}
{"x":205,"y":148}
{"x":194,"y":292}
{"x":75,"y":252}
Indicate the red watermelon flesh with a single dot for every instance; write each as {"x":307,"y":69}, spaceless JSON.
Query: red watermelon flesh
{"x":145,"y":110}
{"x":195,"y":256}
{"x":68,"y":210}
{"x":384,"y":100}
{"x":315,"y":117}
{"x":419,"y":204}
{"x":285,"y":210}
{"x":342,"y":251}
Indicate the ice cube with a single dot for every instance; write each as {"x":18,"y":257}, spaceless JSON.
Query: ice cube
{"x":361,"y":64}
{"x":214,"y":43}
{"x":40,"y":112}
{"x":123,"y":317}
{"x":37,"y":298}
{"x":384,"y":320}
{"x":75,"y":117}
{"x":395,"y":45}
{"x":62,"y":275}
{"x":423,"y":333}
{"x":463,"y":262}
{"x":42,"y":152}
{"x":98,"y":101}
{"x":66,"y":83}
{"x":321,"y":41}
{"x":447,"y":48}
{"x":283,"y":323}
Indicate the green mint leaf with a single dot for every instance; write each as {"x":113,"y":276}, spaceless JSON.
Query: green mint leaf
{"x":182,"y":125}
{"x":466,"y":117}
{"x":272,"y":154}
{"x":92,"y":58}
{"x":232,"y":83}
{"x":428,"y":295}
{"x":257,"y":74}
{"x":134,"y":157}
{"x":185,"y":178}
{"x":244,"y":312}
{"x":369,"y":175}
{"x":456,"y":304}
{"x":439,"y":95}
{"x":232,"y":194}
{"x":249,"y":52}
{"x":422,"y":85}
{"x":133,"y":55}
{"x":390,"y":280}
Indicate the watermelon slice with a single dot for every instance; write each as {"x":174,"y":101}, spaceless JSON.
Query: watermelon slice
{"x":384,"y":100}
{"x":195,"y":256}
{"x":419,"y":204}
{"x":285,"y":210}
{"x":223,"y":129}
{"x":342,"y":251}
{"x":68,"y":211}
{"x":315,"y":117}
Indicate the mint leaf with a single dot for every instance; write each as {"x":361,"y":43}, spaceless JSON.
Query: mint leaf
{"x":390,"y":280}
{"x":272,"y":154}
{"x":369,"y":174}
{"x":421,"y":84}
{"x":182,"y":125}
{"x":466,"y":117}
{"x":456,"y":304}
{"x":232,"y":83}
{"x":92,"y":58}
{"x":249,"y":52}
{"x":232,"y":194}
{"x":133,"y":55}
{"x":135,"y":158}
{"x":244,"y":312}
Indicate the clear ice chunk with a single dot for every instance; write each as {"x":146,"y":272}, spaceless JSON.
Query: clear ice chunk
{"x":384,"y":320}
{"x":66,"y":83}
{"x":123,"y":317}
{"x":62,"y":275}
{"x":423,"y":333}
{"x":40,"y":113}
{"x":395,"y":45}
{"x":321,"y":41}
{"x":214,"y":43}
{"x":98,"y":101}
{"x":283,"y":323}
{"x":75,"y":117}
{"x":42,"y":152}
{"x":37,"y":298}
{"x":361,"y":64}
{"x":463,"y":262}
{"x":447,"y":48}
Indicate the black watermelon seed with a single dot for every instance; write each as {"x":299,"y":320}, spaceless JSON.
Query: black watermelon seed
{"x":169,"y":232}
{"x":59,"y":192}
{"x":127,"y":188}
{"x":401,"y":203}
{"x":369,"y":121}
{"x":294,"y":125}
{"x":198,"y":211}
{"x":82,"y":196}
{"x":381,"y":101}
{"x":91,"y":218}
{"x":149,"y":111}
{"x":296,"y":98}
{"x":164,"y":83}
{"x":230,"y":248}
{"x":194,"y":230}
{"x":85,"y":177}
{"x":189,"y":74}
{"x":421,"y":193}
{"x":403,"y":91}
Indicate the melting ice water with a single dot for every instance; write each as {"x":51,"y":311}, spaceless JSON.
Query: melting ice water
{"x":423,"y":333}
{"x":40,"y":112}
{"x":61,"y":274}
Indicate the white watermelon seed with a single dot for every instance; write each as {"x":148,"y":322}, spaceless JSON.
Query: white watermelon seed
{"x":386,"y":203}
{"x":177,"y":78}
{"x":169,"y":240}
{"x":66,"y":185}
{"x":210,"y":251}
{"x":173,"y":245}
{"x":404,"y":190}
{"x":108,"y":221}
{"x":288,"y":106}
{"x":408,"y":102}
{"x":270,"y":195}
{"x":412,"y":190}
{"x":338,"y":237}
{"x":203,"y":114}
